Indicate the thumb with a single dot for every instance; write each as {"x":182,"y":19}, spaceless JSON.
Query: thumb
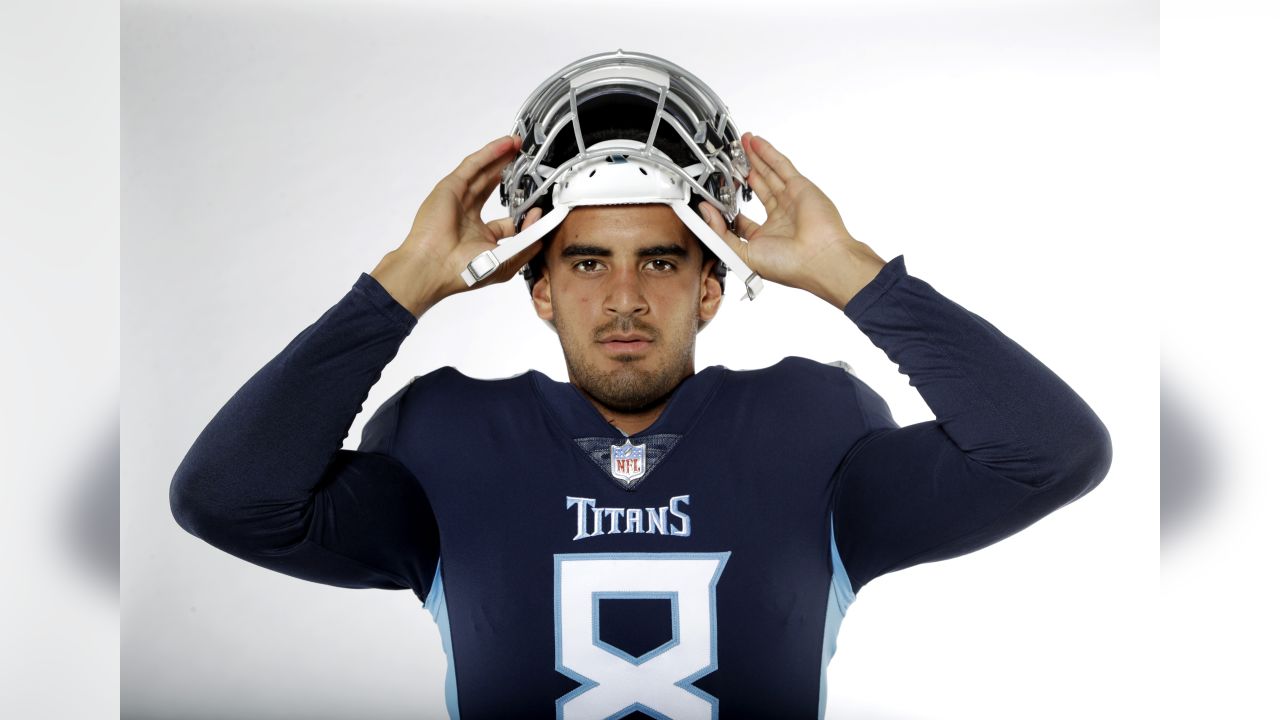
{"x":511,"y":267}
{"x":746,"y":226}
{"x":528,"y":253}
{"x":524,"y":256}
{"x":713,"y":218}
{"x":717,"y":223}
{"x":530,"y":218}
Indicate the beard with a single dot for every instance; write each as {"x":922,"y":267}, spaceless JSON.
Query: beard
{"x":626,"y":387}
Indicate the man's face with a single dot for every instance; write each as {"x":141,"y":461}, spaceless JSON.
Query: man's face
{"x":633,"y":275}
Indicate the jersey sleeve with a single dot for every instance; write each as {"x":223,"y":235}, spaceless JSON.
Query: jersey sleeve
{"x":1010,"y":444}
{"x":268,"y":481}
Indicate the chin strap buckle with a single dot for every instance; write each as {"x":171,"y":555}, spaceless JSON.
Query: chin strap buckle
{"x":480,"y":267}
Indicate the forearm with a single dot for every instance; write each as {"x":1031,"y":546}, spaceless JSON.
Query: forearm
{"x":1000,"y":405}
{"x":265,"y":451}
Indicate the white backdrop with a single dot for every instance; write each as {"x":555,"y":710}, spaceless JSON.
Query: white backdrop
{"x":272,"y":151}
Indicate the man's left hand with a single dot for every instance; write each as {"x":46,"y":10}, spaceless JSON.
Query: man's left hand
{"x":803,"y":242}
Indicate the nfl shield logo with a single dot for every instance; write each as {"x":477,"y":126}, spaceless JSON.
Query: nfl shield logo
{"x":627,"y":462}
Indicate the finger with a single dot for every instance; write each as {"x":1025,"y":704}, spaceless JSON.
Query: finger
{"x":483,"y":185}
{"x":531,"y":217}
{"x":506,"y":227}
{"x":746,"y":226}
{"x":713,"y":218}
{"x":762,"y":189}
{"x":502,"y":227}
{"x":480,"y":187}
{"x":755,"y":176}
{"x":511,"y":267}
{"x":473,"y":164}
{"x":778,"y":162}
{"x":761,"y":168}
{"x":523,"y":257}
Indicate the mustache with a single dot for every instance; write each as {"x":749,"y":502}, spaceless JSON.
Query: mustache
{"x":627,"y":327}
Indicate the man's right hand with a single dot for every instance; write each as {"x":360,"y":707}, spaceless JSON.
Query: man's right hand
{"x":448,"y":233}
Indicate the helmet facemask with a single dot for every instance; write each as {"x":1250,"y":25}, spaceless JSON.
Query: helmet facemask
{"x":621,"y":128}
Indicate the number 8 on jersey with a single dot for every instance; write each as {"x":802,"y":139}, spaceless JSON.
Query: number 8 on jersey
{"x":615,"y":682}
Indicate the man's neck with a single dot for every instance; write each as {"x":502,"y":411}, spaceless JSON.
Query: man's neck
{"x":630,"y":423}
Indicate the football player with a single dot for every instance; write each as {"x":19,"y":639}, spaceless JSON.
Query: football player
{"x":646,"y":539}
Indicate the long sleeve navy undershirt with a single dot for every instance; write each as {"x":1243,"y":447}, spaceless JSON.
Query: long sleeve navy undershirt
{"x":267,"y":479}
{"x":268,"y":482}
{"x":1011,"y":441}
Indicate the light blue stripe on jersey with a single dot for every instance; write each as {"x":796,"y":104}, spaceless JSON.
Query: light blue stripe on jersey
{"x":839,"y":598}
{"x":440,"y":611}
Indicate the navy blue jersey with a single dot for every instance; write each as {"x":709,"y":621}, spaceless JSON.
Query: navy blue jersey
{"x":700,"y":567}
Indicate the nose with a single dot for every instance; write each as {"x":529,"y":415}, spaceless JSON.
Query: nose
{"x":626,"y":293}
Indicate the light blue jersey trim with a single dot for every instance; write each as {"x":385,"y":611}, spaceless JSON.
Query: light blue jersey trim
{"x":439,"y":609}
{"x":839,"y":597}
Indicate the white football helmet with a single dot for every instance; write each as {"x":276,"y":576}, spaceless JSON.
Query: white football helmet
{"x":618,"y":128}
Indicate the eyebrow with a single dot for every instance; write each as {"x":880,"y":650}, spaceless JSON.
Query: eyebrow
{"x":598,"y":251}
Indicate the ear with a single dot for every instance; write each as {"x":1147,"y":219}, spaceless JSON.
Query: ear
{"x":541,"y":297}
{"x":709,"y":301}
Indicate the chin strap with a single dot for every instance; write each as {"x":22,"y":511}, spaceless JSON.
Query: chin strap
{"x":717,"y":245}
{"x":486,"y":262}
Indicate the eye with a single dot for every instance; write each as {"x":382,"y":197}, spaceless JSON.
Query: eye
{"x":581,"y":262}
{"x":668,"y":266}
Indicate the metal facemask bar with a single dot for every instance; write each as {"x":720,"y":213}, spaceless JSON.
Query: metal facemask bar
{"x":728,"y":158}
